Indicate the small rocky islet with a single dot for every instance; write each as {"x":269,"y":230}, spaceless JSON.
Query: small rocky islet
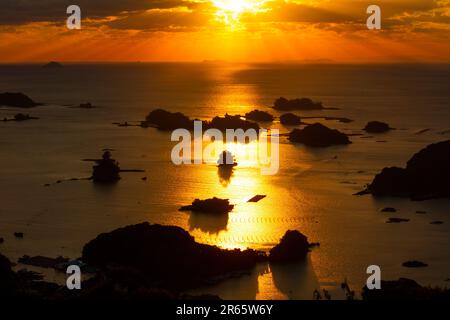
{"x":290,"y":119}
{"x":397,"y":220}
{"x":17,"y":100}
{"x":257,"y":115}
{"x":318,"y":135}
{"x":414,"y":264}
{"x":283,"y":104}
{"x":213,"y":206}
{"x":377,"y":127}
{"x":293,"y":247}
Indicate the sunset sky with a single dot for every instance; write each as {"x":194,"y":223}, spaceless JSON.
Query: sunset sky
{"x":230,"y":30}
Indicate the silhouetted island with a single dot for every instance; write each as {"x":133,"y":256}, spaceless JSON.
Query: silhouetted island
{"x":414,"y":264}
{"x":290,"y":119}
{"x":230,"y":122}
{"x":18,"y":100}
{"x":52,"y":65}
{"x":168,"y":121}
{"x":377,"y":127}
{"x":106,"y":170}
{"x":213,"y":205}
{"x":165,"y":256}
{"x":293,"y":247}
{"x":426,"y":175}
{"x":257,"y":115}
{"x":318,"y":135}
{"x":284,"y":104}
{"x":146,"y":261}
{"x":397,"y":220}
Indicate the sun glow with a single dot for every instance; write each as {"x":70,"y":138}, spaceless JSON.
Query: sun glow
{"x":229,"y":11}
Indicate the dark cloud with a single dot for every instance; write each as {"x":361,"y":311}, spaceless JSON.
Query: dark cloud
{"x":282,"y":11}
{"x":350,"y":15}
{"x":25,"y":11}
{"x":162,"y":20}
{"x":343,"y":10}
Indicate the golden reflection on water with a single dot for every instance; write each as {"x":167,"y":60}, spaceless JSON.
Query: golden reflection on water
{"x":252,"y":225}
{"x":256,"y":225}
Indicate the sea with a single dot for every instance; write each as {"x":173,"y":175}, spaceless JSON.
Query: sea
{"x":313,"y":190}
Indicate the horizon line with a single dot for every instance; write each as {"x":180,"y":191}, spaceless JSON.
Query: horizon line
{"x":212,"y":61}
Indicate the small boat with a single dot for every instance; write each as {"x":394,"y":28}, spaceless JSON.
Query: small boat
{"x":226,"y":160}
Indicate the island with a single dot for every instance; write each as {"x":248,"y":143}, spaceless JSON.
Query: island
{"x":377,"y":127}
{"x":284,"y":104}
{"x":213,"y":205}
{"x":17,"y":100}
{"x":318,"y":135}
{"x":52,"y":65}
{"x":426,"y":175}
{"x":169,"y":121}
{"x":257,"y":115}
{"x":290,"y":119}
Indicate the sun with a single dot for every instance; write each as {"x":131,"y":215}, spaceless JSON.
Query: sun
{"x":229,"y":11}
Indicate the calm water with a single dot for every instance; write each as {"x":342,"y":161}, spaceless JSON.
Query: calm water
{"x":312,"y":191}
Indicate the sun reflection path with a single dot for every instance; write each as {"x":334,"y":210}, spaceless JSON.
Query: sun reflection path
{"x":250,"y":225}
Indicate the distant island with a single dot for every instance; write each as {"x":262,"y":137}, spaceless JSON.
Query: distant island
{"x":52,"y":65}
{"x":284,"y":104}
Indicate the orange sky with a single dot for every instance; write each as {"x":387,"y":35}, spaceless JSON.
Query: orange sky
{"x":231,"y":30}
